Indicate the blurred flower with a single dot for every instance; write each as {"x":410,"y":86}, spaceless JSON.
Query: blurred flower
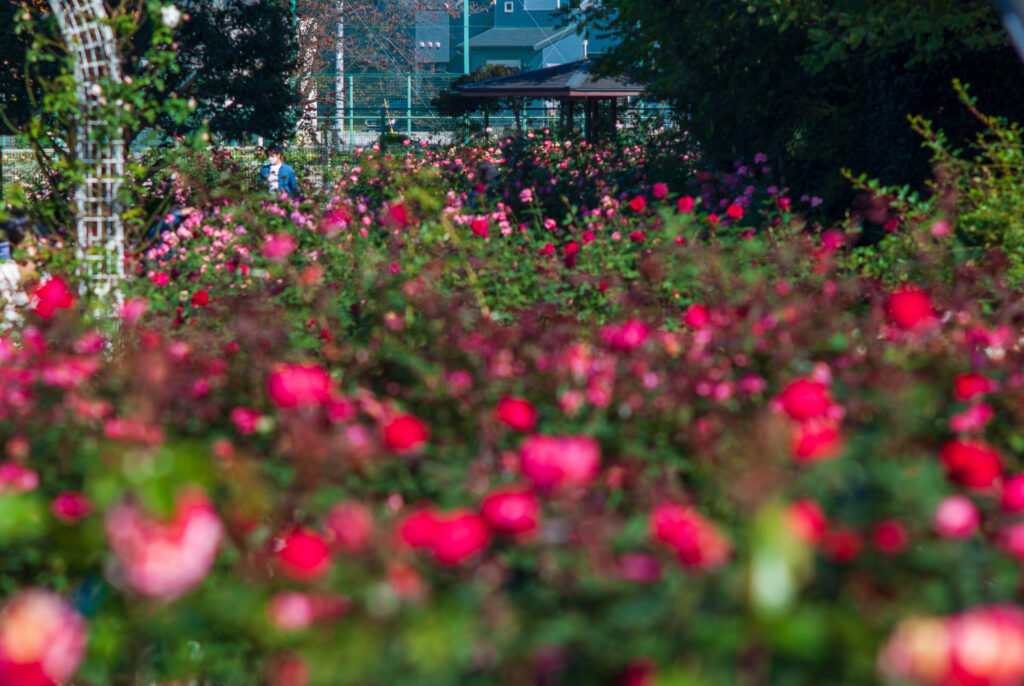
{"x":659,"y":190}
{"x":245,"y":419}
{"x":890,"y":537}
{"x":452,"y":537}
{"x":698,"y":542}
{"x":42,"y":639}
{"x":685,"y":204}
{"x":298,"y":385}
{"x":1012,"y":497}
{"x":805,"y":399}
{"x":170,"y":16}
{"x":956,"y":517}
{"x":806,"y":521}
{"x":910,"y":308}
{"x":559,"y":461}
{"x":133,"y":310}
{"x":815,"y":440}
{"x":350,"y":526}
{"x":968,"y":386}
{"x":516,"y":413}
{"x":200,"y":298}
{"x":404,"y":433}
{"x":971,"y":463}
{"x":511,"y":510}
{"x":842,"y":545}
{"x":303,"y":555}
{"x":165,"y":559}
{"x":982,"y":646}
{"x":51,"y":295}
{"x":290,"y":611}
{"x":70,"y":507}
{"x":626,"y":336}
{"x":278,"y":247}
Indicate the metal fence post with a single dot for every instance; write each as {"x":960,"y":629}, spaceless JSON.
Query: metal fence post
{"x":351,"y":115}
{"x":408,"y":105}
{"x":465,"y":36}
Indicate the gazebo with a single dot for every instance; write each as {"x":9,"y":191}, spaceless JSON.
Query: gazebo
{"x":568,"y":83}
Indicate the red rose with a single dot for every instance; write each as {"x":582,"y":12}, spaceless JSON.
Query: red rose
{"x":659,"y":190}
{"x":685,"y":204}
{"x":972,"y":463}
{"x":815,"y":440}
{"x":890,"y":537}
{"x":805,"y":399}
{"x":696,"y":316}
{"x":638,"y":203}
{"x":698,"y":542}
{"x":511,"y":510}
{"x":245,"y":419}
{"x":910,"y":308}
{"x":304,"y":555}
{"x":458,"y":536}
{"x":479,"y":228}
{"x":51,"y":295}
{"x":405,"y":433}
{"x":417,"y":529}
{"x":734,"y":212}
{"x":70,"y":507}
{"x":967,"y":386}
{"x":396,"y":216}
{"x":1012,"y":498}
{"x":298,"y":385}
{"x":842,"y":545}
{"x":516,"y":413}
{"x":200,"y":299}
{"x":556,"y":461}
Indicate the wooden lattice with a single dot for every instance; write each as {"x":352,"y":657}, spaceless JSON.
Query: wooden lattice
{"x":100,"y":232}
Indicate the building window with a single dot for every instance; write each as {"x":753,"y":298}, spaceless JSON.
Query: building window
{"x":509,"y":7}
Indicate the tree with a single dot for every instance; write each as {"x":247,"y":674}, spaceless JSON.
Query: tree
{"x":452,"y":103}
{"x":237,"y":58}
{"x":818,"y":84}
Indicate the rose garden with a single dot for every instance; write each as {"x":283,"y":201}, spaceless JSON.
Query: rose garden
{"x":519,"y":409}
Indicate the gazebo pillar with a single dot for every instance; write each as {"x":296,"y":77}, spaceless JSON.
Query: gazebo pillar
{"x":100,"y":247}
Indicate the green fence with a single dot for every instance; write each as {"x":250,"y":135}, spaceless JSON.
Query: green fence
{"x":352,"y":112}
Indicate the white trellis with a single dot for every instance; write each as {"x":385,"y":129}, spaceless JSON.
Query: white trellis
{"x":100,"y":232}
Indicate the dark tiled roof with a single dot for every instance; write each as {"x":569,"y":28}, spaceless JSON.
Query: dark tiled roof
{"x":574,"y":79}
{"x":511,"y":37}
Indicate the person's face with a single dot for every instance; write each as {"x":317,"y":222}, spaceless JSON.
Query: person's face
{"x":274,"y":158}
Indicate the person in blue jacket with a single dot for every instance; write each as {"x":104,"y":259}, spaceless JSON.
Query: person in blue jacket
{"x":278,"y":176}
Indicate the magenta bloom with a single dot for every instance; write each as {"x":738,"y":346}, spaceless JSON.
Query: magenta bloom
{"x":298,"y":385}
{"x":551,"y":462}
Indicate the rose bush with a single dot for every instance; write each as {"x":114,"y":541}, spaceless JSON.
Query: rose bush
{"x":592,"y":441}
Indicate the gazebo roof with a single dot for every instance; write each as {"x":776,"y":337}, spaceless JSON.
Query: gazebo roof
{"x":572,"y":80}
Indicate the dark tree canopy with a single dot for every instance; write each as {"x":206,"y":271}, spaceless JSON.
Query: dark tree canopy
{"x":817,"y":84}
{"x":237,"y":58}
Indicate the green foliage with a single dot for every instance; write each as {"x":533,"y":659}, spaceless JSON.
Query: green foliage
{"x":123,"y":108}
{"x":816,"y":85}
{"x":977,"y":191}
